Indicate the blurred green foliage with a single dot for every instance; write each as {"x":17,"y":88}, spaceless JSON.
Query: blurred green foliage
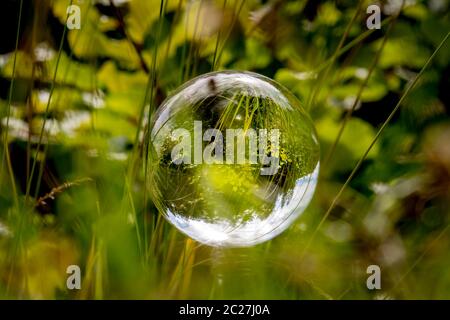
{"x":75,"y":190}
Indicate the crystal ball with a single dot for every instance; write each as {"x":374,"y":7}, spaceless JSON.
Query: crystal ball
{"x":234,"y":159}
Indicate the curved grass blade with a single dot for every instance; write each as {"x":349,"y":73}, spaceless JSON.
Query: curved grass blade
{"x":8,"y":111}
{"x":360,"y":91}
{"x":318,"y":87}
{"x":47,"y":108}
{"x":375,"y":139}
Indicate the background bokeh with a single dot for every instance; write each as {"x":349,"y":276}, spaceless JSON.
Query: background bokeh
{"x":74,"y":108}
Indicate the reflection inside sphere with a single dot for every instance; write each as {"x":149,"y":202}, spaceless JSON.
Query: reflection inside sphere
{"x":234,"y":159}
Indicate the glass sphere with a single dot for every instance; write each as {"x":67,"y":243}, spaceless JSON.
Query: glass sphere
{"x":234,"y":159}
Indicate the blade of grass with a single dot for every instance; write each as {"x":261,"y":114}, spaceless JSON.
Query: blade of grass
{"x":8,"y":112}
{"x":150,"y":87}
{"x":47,"y":108}
{"x":172,"y":26}
{"x":213,"y":65}
{"x":183,"y":65}
{"x":350,"y":45}
{"x":360,"y":91}
{"x":61,"y":97}
{"x":319,"y":84}
{"x":6,"y":148}
{"x":233,"y":22}
{"x":192,"y":45}
{"x":130,"y":196}
{"x":375,"y":139}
